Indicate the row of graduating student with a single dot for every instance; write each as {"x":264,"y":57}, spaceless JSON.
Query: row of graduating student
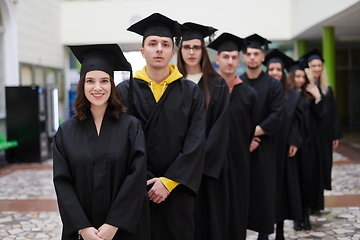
{"x":183,"y":152}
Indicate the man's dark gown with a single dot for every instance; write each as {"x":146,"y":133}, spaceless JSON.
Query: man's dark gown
{"x":263,"y":159}
{"x":243,"y":114}
{"x":174,"y":129}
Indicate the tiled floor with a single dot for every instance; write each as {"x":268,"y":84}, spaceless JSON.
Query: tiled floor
{"x":28,"y":208}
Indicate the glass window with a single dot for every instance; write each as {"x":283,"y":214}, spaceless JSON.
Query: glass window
{"x":355,"y":58}
{"x":26,"y":75}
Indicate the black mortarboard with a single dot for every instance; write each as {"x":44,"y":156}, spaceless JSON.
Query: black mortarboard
{"x":197,"y":31}
{"x":158,"y":25}
{"x":104,"y":57}
{"x":296,"y":65}
{"x":312,"y":54}
{"x":227,"y":42}
{"x":276,"y":56}
{"x":258,"y":42}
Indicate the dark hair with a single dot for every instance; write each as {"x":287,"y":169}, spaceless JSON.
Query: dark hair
{"x":172,"y":40}
{"x":82,"y":104}
{"x":291,"y":84}
{"x":282,"y":80}
{"x":207,"y":69}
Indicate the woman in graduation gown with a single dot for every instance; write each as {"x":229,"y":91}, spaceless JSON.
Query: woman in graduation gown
{"x":288,"y":140}
{"x":210,"y":214}
{"x":308,"y":157}
{"x":99,"y":156}
{"x":330,"y":128}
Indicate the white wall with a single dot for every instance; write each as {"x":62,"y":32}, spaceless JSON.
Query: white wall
{"x":10,"y":65}
{"x":307,"y":13}
{"x":98,"y":21}
{"x":39,"y":32}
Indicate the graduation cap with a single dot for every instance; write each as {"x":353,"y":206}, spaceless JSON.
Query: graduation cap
{"x":276,"y":56}
{"x":296,"y":65}
{"x":197,"y":31}
{"x":158,"y":25}
{"x":258,"y":42}
{"x":104,"y":57}
{"x":300,"y":64}
{"x":227,"y":42}
{"x":312,"y":54}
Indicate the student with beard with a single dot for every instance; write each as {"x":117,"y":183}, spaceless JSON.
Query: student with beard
{"x":288,"y":141}
{"x":308,"y":157}
{"x":99,"y":156}
{"x":172,"y":113}
{"x":242,"y":111}
{"x":211,"y":202}
{"x":330,"y":128}
{"x":263,"y":157}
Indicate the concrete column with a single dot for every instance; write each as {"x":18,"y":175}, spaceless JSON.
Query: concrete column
{"x":328,"y":42}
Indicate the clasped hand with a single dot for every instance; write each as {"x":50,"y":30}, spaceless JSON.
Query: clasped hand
{"x":105,"y":232}
{"x":158,"y":192}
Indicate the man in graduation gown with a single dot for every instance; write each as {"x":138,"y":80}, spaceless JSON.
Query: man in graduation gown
{"x":263,"y":155}
{"x":172,"y":114}
{"x":242,"y":111}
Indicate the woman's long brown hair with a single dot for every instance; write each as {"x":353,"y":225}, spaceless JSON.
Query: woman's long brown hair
{"x":291,"y":84}
{"x":208,"y":71}
{"x":82,"y":104}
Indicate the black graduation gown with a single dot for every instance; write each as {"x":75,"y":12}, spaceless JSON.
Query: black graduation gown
{"x":330,"y":130}
{"x":288,"y":196}
{"x":309,"y":157}
{"x":102,"y":179}
{"x":211,"y":202}
{"x":263,"y":159}
{"x":174,"y":128}
{"x":243,"y":113}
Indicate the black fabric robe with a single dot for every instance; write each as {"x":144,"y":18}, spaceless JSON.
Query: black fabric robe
{"x":243,"y":113}
{"x":288,"y":195}
{"x":102,"y":179}
{"x":263,"y":159}
{"x":174,"y":128}
{"x":309,"y":157}
{"x":212,"y":199}
{"x":330,"y":130}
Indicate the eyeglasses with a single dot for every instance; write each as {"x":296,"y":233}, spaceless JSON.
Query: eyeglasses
{"x":194,"y":48}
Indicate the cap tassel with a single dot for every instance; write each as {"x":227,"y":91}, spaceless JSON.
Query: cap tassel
{"x":211,"y":33}
{"x":266,"y":46}
{"x":131,"y":89}
{"x":177,"y":33}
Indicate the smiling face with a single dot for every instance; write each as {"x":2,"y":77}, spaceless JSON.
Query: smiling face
{"x":157,"y":51}
{"x":299,"y":78}
{"x":228,"y":62}
{"x":191,"y":51}
{"x":316,"y":66}
{"x":97,"y":88}
{"x":275,"y":70}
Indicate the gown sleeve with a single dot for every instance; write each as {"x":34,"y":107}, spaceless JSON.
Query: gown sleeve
{"x":336,"y":126}
{"x":273,"y":121}
{"x":218,"y":136}
{"x":188,"y":166}
{"x":253,"y":113}
{"x":295,"y":135}
{"x":126,"y":209}
{"x":72,"y":214}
